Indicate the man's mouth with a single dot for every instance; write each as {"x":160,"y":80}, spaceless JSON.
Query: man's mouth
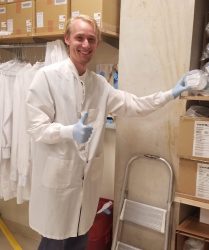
{"x":85,"y":52}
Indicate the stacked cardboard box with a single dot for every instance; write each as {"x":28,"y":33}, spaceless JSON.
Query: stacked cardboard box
{"x":45,"y":17}
{"x":193,"y":179}
{"x":20,"y":17}
{"x":193,"y":150}
{"x":51,"y":16}
{"x":106,"y":12}
{"x":194,"y":138}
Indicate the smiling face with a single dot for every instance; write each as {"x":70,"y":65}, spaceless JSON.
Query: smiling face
{"x":82,"y":42}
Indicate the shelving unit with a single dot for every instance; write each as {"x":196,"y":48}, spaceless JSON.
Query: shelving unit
{"x":189,"y":195}
{"x":188,"y":186}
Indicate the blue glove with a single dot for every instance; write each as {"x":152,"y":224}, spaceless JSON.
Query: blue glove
{"x":81,"y":132}
{"x":179,"y":88}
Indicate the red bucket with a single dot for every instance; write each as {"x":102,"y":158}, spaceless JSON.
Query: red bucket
{"x":100,"y":234}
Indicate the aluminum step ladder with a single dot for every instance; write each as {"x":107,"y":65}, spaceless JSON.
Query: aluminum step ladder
{"x":141,"y":214}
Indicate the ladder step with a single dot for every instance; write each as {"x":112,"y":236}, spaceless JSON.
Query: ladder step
{"x":144,"y":215}
{"x":123,"y":246}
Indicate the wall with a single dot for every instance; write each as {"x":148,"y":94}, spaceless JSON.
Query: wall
{"x":155,"y":45}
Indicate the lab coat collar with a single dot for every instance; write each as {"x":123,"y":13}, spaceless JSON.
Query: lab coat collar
{"x":69,"y":68}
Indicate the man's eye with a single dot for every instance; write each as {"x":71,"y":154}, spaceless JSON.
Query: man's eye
{"x":79,"y":38}
{"x":92,"y":40}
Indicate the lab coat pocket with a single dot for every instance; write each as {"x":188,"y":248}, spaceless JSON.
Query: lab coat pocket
{"x":97,"y":168}
{"x":93,"y":118}
{"x":57,"y":173}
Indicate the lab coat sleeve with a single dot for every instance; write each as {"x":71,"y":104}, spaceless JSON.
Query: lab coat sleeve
{"x":121,"y":103}
{"x":40,"y":108}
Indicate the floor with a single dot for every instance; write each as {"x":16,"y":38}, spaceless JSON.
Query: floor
{"x":25,"y":242}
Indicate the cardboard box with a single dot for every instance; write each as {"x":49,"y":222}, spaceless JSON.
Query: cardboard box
{"x":20,"y":18}
{"x":193,"y":139}
{"x":3,"y":20}
{"x":51,"y":16}
{"x":204,"y":215}
{"x":193,"y":179}
{"x":105,"y":12}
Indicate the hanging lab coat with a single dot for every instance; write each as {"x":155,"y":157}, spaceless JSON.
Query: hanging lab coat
{"x":8,"y":74}
{"x":20,"y":172}
{"x":66,"y":177}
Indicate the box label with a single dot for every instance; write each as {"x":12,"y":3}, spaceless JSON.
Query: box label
{"x":10,"y":25}
{"x":3,"y":25}
{"x":75,"y":13}
{"x":59,"y":2}
{"x":201,"y":139}
{"x":61,"y":26}
{"x":62,"y":18}
{"x":97,"y":17}
{"x":202,"y":183}
{"x":26,"y":5}
{"x":28,"y":24}
{"x":39,"y":19}
{"x":3,"y":10}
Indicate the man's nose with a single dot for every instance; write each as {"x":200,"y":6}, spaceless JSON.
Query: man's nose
{"x":85,"y":43}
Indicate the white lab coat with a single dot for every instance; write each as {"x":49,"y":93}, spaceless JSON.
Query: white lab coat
{"x":20,"y":172}
{"x":8,"y":74}
{"x":66,"y":177}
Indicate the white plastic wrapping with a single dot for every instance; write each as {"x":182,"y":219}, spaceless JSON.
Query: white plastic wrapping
{"x":196,"y":79}
{"x":193,"y":244}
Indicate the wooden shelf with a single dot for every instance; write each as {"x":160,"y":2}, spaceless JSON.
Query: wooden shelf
{"x":191,"y":200}
{"x":194,"y":118}
{"x":195,"y":97}
{"x":16,"y":39}
{"x":30,"y":38}
{"x":40,"y":37}
{"x":193,"y":158}
{"x":192,"y":227}
{"x":110,"y":34}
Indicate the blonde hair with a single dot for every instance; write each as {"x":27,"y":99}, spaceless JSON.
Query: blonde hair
{"x":85,"y":18}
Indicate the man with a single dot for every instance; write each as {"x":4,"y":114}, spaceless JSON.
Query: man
{"x":67,"y":107}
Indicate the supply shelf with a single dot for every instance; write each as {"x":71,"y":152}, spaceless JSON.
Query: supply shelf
{"x":192,"y":227}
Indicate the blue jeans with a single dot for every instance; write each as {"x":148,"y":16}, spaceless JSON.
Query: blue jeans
{"x":72,"y":243}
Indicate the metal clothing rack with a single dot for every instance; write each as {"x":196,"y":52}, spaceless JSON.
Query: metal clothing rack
{"x":21,"y":51}
{"x":22,"y":45}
